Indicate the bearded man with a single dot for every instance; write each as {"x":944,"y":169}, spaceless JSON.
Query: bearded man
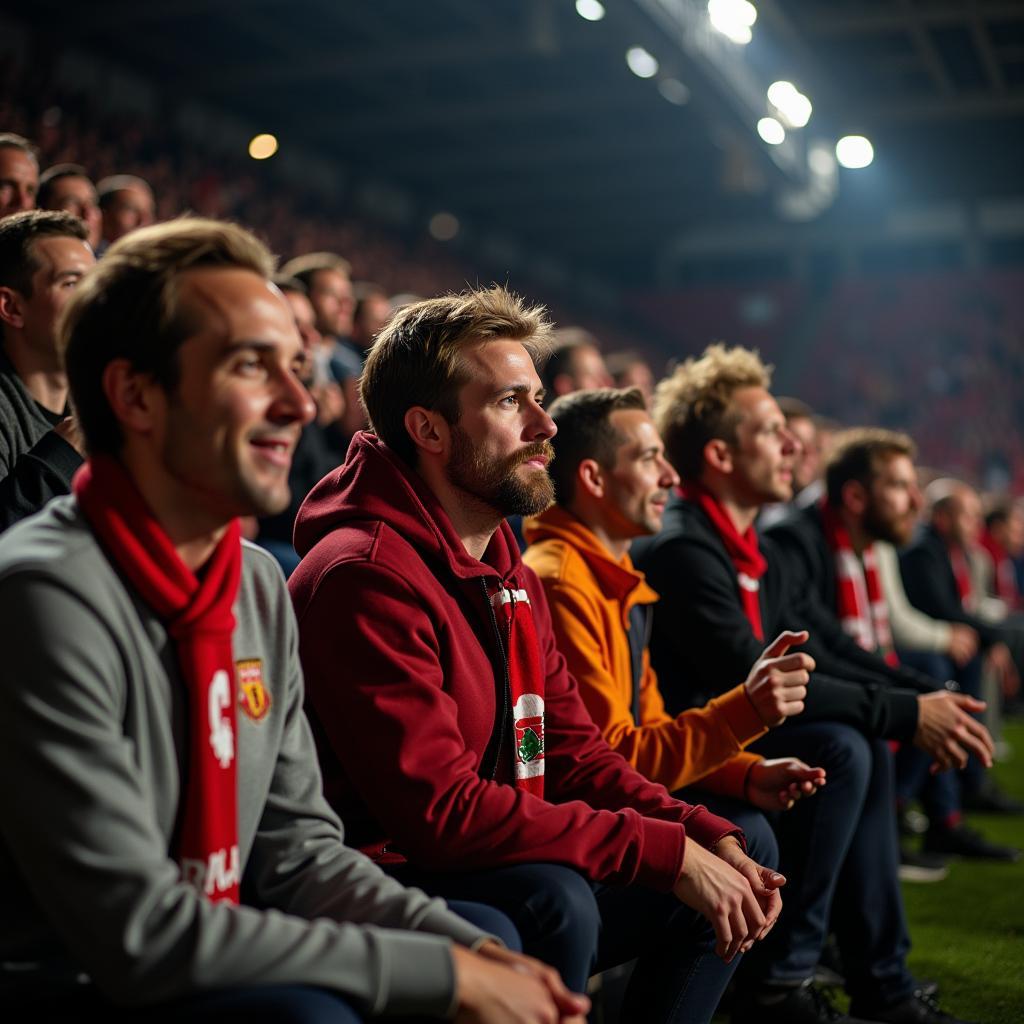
{"x":448,"y":726}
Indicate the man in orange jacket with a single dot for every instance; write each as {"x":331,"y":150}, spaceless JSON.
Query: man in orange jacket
{"x":612,"y":483}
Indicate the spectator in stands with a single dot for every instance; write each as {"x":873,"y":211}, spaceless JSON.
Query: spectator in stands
{"x":43,"y":256}
{"x":329,"y":287}
{"x":629,"y":369}
{"x":313,"y":457}
{"x":720,"y":597}
{"x":135,"y":604}
{"x":126,"y":203}
{"x":806,"y":463}
{"x":575,"y":363}
{"x":937,"y":575}
{"x":1003,"y":539}
{"x":372,"y":311}
{"x":19,"y":174}
{"x":460,"y":751}
{"x":67,"y":187}
{"x":828,"y":553}
{"x":611,"y":485}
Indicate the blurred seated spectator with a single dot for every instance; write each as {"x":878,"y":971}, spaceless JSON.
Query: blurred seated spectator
{"x":1003,"y":539}
{"x":19,"y":174}
{"x":68,"y":187}
{"x":575,"y":363}
{"x":629,"y":369}
{"x":43,"y":256}
{"x":372,"y":312}
{"x":126,"y":203}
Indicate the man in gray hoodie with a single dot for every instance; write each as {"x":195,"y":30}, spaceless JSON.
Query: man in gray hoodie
{"x":163,"y":836}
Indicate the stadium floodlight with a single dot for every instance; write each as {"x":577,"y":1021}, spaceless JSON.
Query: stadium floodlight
{"x":641,"y":63}
{"x":443,"y":226}
{"x":590,"y":10}
{"x":792,"y":104}
{"x":771,"y":131}
{"x":674,"y":91}
{"x":854,"y":152}
{"x":733,"y":18}
{"x":262,"y":147}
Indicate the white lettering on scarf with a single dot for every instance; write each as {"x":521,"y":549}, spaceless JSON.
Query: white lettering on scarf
{"x":220,"y":872}
{"x":222,"y":737}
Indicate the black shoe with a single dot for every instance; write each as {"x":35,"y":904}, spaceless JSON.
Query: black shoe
{"x":915,"y":1009}
{"x":784,"y":1004}
{"x":961,"y":841}
{"x":990,"y":799}
{"x":830,"y":972}
{"x":922,"y":866}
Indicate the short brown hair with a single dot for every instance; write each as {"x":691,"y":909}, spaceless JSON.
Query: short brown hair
{"x":18,"y":234}
{"x":54,"y":174}
{"x":415,"y":359}
{"x":128,"y":308}
{"x":585,"y":431}
{"x":691,"y":405}
{"x":855,"y":454}
{"x":305,"y":268}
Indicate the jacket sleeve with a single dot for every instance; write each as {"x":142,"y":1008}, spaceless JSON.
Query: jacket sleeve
{"x":838,"y":653}
{"x":912,"y":630}
{"x":396,"y":731}
{"x":928,"y":583}
{"x":42,"y":473}
{"x":671,"y":751}
{"x":97,"y":863}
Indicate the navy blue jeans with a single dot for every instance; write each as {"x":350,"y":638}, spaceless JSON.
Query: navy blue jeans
{"x":839,"y":853}
{"x":580,"y":928}
{"x":941,"y":794}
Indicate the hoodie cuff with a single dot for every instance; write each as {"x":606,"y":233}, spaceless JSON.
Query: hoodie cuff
{"x":740,"y":714}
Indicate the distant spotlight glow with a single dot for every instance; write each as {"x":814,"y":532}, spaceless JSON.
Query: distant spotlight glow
{"x":854,"y":152}
{"x":641,"y":63}
{"x":771,"y":131}
{"x":262,"y":147}
{"x":443,"y":226}
{"x":590,"y":10}
{"x":821,"y":160}
{"x":792,"y":104}
{"x":674,"y":91}
{"x":733,"y":18}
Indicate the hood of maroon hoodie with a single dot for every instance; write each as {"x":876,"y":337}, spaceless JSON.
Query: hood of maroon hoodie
{"x":375,"y":484}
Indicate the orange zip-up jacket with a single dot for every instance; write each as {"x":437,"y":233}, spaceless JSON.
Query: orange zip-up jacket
{"x":590,"y":595}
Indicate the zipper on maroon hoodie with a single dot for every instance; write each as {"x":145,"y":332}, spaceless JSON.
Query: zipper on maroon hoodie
{"x":497,"y":740}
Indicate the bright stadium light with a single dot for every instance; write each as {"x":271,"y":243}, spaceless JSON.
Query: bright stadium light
{"x":590,"y":10}
{"x":262,"y":147}
{"x":674,"y":91}
{"x":443,"y":226}
{"x":733,"y":18}
{"x":792,"y":104}
{"x":854,"y":152}
{"x":771,"y":131}
{"x":641,"y":63}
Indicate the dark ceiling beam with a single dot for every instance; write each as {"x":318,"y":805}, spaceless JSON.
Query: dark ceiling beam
{"x":988,"y":105}
{"x":930,"y":56}
{"x":983,"y":43}
{"x":522,"y":107}
{"x":888,"y":18}
{"x":420,"y":56}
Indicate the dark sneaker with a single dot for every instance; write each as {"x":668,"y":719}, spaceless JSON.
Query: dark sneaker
{"x":962,"y":841}
{"x":917,"y":1008}
{"x":922,"y":866}
{"x":830,"y":972}
{"x":990,"y":799}
{"x":784,"y":1004}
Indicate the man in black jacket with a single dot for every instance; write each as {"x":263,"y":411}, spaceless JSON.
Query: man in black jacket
{"x":936,"y":570}
{"x":43,"y":255}
{"x":728,"y":441}
{"x":827,"y":552}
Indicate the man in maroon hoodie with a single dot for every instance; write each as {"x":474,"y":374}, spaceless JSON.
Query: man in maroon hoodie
{"x":451,"y":736}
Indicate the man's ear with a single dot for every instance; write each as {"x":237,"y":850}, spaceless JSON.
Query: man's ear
{"x":11,"y":308}
{"x":429,"y":430}
{"x":718,"y":455}
{"x":854,"y":496}
{"x":135,"y":399}
{"x":590,"y":478}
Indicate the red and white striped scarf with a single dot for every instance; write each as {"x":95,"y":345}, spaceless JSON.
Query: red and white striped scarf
{"x":860,"y":603}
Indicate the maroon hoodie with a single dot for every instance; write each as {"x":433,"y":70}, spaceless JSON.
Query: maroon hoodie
{"x":407,"y":690}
